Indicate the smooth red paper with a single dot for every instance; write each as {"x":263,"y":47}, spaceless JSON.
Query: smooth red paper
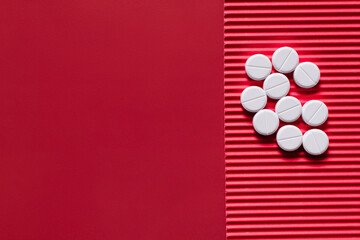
{"x":111,"y":120}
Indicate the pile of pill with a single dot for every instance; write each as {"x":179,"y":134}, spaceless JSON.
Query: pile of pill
{"x":288,"y":109}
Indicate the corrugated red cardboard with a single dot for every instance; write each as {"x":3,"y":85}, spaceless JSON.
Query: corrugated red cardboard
{"x":271,"y":194}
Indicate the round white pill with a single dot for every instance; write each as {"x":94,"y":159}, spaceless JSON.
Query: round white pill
{"x":288,"y":109}
{"x":306,"y":75}
{"x":265,"y":122}
{"x":314,"y":113}
{"x":315,"y":142}
{"x":258,"y":67}
{"x":285,"y":59}
{"x":253,"y":98}
{"x":276,"y":85}
{"x":289,"y":138}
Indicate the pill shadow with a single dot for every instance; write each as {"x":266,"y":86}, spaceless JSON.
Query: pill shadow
{"x":289,"y":75}
{"x":323,"y":126}
{"x":317,"y":159}
{"x":307,"y":91}
{"x":311,"y":158}
{"x":246,"y":113}
{"x":252,"y":82}
{"x":291,"y":155}
{"x":265,"y":139}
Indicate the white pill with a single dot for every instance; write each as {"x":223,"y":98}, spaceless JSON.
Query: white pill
{"x":315,"y":142}
{"x":276,"y":85}
{"x":306,"y":75}
{"x":258,"y":67}
{"x":265,"y":122}
{"x":314,"y":113}
{"x":285,"y":59}
{"x":288,"y":109}
{"x":289,"y":138}
{"x":253,"y":98}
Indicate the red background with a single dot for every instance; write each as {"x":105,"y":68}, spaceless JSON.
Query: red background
{"x":111,"y":120}
{"x":272,"y":194}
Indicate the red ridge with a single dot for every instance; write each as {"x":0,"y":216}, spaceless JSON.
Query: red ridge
{"x":275,"y":195}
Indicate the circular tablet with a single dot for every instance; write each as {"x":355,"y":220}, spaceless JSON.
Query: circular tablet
{"x":285,"y":59}
{"x":276,"y":85}
{"x":315,"y":142}
{"x":253,"y":98}
{"x":289,"y":138}
{"x":288,"y":109}
{"x":265,"y":122}
{"x":258,"y":67}
{"x":314,"y":113}
{"x":306,"y":75}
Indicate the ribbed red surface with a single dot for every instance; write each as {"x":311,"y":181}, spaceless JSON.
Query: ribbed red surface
{"x":271,"y":194}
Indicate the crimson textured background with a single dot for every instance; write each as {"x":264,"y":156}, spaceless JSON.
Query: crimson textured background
{"x":271,"y":194}
{"x":111,"y":120}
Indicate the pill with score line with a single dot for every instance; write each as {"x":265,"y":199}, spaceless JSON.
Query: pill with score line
{"x":289,"y":138}
{"x":265,"y":122}
{"x":314,"y":113}
{"x":276,"y":85}
{"x":315,"y":142}
{"x":258,"y":67}
{"x":253,"y":99}
{"x":288,"y":109}
{"x":307,"y":75}
{"x":285,"y":59}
